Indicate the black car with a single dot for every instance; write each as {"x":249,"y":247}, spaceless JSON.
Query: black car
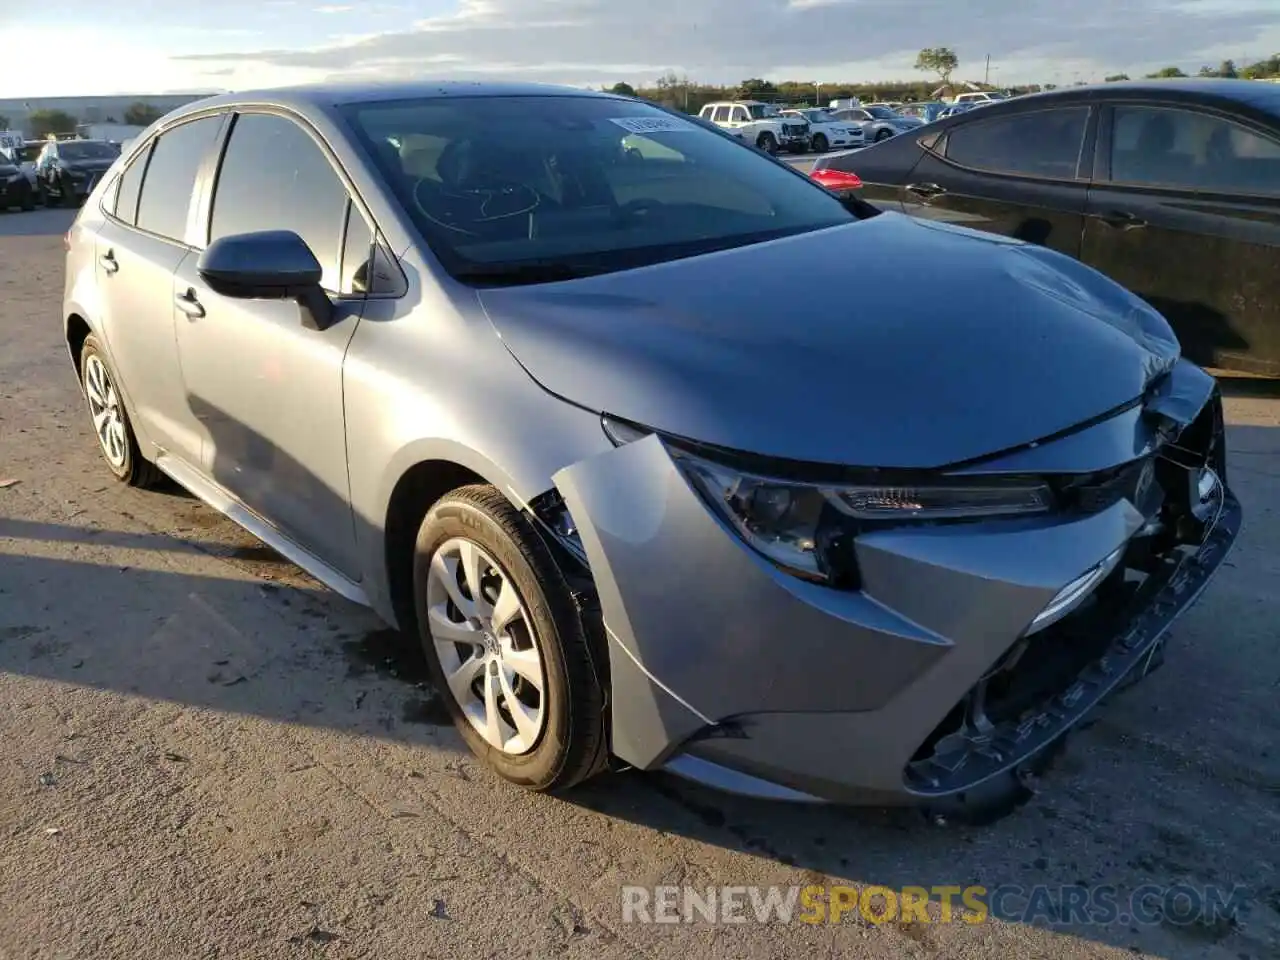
{"x":15,"y":189}
{"x":68,"y":169}
{"x":1171,"y":187}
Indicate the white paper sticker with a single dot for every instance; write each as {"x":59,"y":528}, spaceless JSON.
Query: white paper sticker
{"x":653,"y":124}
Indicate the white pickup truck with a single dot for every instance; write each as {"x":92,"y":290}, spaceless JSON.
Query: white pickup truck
{"x":759,"y":123}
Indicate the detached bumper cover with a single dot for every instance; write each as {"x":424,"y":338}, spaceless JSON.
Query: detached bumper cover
{"x":728,"y":670}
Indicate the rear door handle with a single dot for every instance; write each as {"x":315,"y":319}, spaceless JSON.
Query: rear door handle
{"x":188,"y":304}
{"x":926,"y":191}
{"x":1121,"y":219}
{"x":108,"y":261}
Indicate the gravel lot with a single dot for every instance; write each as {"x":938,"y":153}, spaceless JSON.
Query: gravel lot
{"x":205,"y":754}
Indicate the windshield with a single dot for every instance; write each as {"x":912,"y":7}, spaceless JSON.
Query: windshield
{"x":818,"y":116}
{"x":86,"y":150}
{"x":881,"y":113}
{"x":578,"y":184}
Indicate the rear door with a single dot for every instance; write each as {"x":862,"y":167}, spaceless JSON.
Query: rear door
{"x":1021,"y":175}
{"x":266,"y":388}
{"x":142,"y":240}
{"x":1185,"y":211}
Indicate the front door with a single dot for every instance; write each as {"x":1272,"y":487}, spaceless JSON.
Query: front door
{"x":1020,"y":175}
{"x":267,"y":389}
{"x":1185,"y":212}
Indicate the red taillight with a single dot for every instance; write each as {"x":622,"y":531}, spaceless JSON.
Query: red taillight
{"x":837,"y":180}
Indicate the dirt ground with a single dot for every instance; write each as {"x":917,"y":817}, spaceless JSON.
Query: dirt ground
{"x":203,"y":753}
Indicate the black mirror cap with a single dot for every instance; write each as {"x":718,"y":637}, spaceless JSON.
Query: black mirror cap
{"x":268,"y":265}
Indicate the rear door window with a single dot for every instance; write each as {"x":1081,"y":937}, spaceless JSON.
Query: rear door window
{"x":130,"y":188}
{"x":1046,"y":143}
{"x":171,"y":177}
{"x":1186,"y":149}
{"x":274,"y":176}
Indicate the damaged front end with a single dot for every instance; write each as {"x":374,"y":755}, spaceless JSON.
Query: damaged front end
{"x":887,"y":637}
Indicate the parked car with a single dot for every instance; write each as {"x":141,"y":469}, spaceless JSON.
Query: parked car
{"x":67,"y":170}
{"x":877,"y":124}
{"x":567,"y":418}
{"x":1171,"y":187}
{"x":759,"y":123}
{"x":955,"y":109}
{"x":926,"y":111}
{"x":825,"y":131}
{"x":980,"y":96}
{"x":15,"y":191}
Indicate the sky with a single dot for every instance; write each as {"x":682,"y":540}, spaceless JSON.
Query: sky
{"x":158,"y":46}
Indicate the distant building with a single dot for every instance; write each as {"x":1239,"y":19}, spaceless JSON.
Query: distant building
{"x":91,"y":109}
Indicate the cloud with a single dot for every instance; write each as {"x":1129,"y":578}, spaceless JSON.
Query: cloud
{"x":592,"y":41}
{"x":334,"y":8}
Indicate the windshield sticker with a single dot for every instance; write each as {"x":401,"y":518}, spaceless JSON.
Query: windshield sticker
{"x":653,"y":124}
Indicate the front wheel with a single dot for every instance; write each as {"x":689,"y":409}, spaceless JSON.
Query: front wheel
{"x":768,"y":143}
{"x":820,"y":143}
{"x":505,"y":642}
{"x":883,"y":135}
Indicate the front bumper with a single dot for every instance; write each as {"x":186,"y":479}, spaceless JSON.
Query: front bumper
{"x":15,"y":192}
{"x":729,"y":671}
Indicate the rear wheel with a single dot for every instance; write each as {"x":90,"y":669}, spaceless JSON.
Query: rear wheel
{"x":505,"y":643}
{"x":768,"y":143}
{"x":116,"y":439}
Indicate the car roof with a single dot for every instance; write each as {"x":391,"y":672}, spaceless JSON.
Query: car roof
{"x":1208,"y":90}
{"x":327,"y":95}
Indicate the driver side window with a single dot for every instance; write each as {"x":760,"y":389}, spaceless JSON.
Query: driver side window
{"x":274,"y":176}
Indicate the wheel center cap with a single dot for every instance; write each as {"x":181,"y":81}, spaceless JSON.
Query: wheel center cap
{"x":490,"y":643}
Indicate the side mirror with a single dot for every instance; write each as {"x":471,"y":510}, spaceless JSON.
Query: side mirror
{"x":271,"y":265}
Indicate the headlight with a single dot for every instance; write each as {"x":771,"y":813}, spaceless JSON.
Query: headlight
{"x":809,"y":528}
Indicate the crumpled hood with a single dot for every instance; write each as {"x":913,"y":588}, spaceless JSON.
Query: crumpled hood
{"x":890,"y":342}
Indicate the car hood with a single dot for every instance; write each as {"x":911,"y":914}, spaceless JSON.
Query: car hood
{"x":89,"y":166}
{"x":1003,"y":344}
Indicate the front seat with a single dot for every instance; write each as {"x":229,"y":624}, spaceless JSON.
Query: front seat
{"x":1154,"y":158}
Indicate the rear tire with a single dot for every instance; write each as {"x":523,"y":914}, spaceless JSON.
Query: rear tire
{"x":116,"y":440}
{"x":570,"y":744}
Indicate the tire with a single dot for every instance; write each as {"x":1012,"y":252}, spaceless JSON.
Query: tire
{"x":883,"y":135}
{"x":68,"y":193}
{"x":28,"y":202}
{"x":768,"y":143}
{"x":126,"y":461}
{"x":570,"y":744}
{"x":820,"y":144}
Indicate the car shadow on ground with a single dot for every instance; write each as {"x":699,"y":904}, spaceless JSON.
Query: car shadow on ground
{"x":1132,"y":801}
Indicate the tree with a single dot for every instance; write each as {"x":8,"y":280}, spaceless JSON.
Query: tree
{"x":1116,"y":77}
{"x":755,"y":87}
{"x":940,"y":60}
{"x":623,"y":89}
{"x":1165,"y":74}
{"x":142,"y":114}
{"x":45,"y":122}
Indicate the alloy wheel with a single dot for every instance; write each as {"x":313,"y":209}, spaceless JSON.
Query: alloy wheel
{"x":484,"y":640}
{"x":104,"y":408}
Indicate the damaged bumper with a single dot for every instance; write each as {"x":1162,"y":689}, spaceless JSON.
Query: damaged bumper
{"x":939,"y":680}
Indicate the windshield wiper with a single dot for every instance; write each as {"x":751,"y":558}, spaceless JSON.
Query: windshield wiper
{"x":515,"y":274}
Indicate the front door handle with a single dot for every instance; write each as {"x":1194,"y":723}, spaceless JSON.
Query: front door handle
{"x":189,"y":305}
{"x":108,"y":261}
{"x":926,"y":191}
{"x":1122,"y":219}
